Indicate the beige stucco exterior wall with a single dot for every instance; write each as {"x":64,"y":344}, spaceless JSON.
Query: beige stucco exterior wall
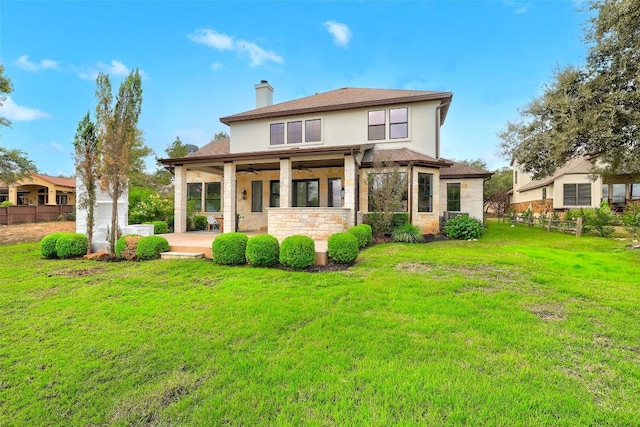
{"x":471,"y":196}
{"x":558,"y":190}
{"x":347,"y":127}
{"x":30,"y":189}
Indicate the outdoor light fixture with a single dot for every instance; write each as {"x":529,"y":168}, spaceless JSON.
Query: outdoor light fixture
{"x":244,"y":194}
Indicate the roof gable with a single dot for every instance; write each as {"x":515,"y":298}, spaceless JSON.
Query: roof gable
{"x":343,"y":99}
{"x":579,"y":165}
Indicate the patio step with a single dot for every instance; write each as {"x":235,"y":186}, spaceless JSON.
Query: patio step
{"x":181,"y":255}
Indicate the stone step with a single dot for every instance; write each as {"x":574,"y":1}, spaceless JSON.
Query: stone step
{"x":181,"y":255}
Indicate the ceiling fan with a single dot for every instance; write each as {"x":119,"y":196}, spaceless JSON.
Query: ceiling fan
{"x":252,"y":170}
{"x":300,"y":168}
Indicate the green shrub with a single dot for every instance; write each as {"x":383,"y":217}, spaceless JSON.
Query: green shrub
{"x":380,"y":227}
{"x":71,"y":245}
{"x":361,"y":233}
{"x":159,"y":227}
{"x":463,"y":228}
{"x":367,"y":227}
{"x":298,"y":251}
{"x":343,"y":248}
{"x":199,"y":222}
{"x":407,"y":233}
{"x":5,"y":204}
{"x":230,"y":248}
{"x":126,"y":246}
{"x":631,"y":219}
{"x":263,"y":250}
{"x":150,"y":247}
{"x":599,"y":221}
{"x":48,"y":245}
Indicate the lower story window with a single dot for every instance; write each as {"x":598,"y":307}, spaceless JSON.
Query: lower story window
{"x":453,"y":197}
{"x":335,"y":197}
{"x":274,"y":194}
{"x":577,"y":194}
{"x":194,"y":196}
{"x":256,"y":196}
{"x":213,"y":196}
{"x":425,"y":192}
{"x":306,"y":193}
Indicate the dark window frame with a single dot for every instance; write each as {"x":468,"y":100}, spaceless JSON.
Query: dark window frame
{"x":330,"y":190}
{"x":452,"y":202}
{"x":256,"y":196}
{"x":274,"y":193}
{"x":425,"y":192}
{"x":574,"y":194}
{"x":371,"y":181}
{"x":295,"y":183}
{"x":276,"y":138}
{"x":375,"y":127}
{"x":191,"y":195}
{"x":216,"y":197}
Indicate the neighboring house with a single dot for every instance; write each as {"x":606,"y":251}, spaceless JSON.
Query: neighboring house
{"x":304,"y":166}
{"x":574,"y":185}
{"x":40,"y":189}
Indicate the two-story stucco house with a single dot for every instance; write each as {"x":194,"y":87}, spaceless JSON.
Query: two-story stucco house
{"x":303,"y":166}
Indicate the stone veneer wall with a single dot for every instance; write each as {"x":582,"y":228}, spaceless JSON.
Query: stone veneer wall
{"x":317,"y":223}
{"x":538,"y":206}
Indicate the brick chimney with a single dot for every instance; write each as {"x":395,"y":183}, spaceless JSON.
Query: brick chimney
{"x":264,"y":94}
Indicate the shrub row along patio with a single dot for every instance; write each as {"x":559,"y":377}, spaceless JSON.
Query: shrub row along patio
{"x":521,"y":327}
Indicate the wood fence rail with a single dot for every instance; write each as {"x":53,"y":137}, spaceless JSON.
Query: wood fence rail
{"x":32,"y":213}
{"x":573,"y":227}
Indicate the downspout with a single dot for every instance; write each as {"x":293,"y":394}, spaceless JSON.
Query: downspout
{"x":438,"y":109}
{"x":356,"y":201}
{"x":410,"y":201}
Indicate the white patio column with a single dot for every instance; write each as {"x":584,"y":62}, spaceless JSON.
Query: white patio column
{"x":285,"y":183}
{"x":180,"y":203}
{"x":350,"y":187}
{"x":229,"y":198}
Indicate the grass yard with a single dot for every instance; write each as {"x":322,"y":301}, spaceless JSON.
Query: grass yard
{"x":522,"y":327}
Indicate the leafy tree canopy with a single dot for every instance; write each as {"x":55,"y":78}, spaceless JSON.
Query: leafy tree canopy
{"x":592,"y":110}
{"x":5,"y":88}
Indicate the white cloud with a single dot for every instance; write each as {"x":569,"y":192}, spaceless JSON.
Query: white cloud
{"x":46,"y":64}
{"x":220,"y":41}
{"x":15,"y":112}
{"x":522,"y":9}
{"x":216,"y":66}
{"x":114,"y":68}
{"x":340,"y":32}
{"x":519,"y":7}
{"x":213,"y":39}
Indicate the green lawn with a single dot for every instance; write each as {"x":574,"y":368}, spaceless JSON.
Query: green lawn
{"x":522,"y":327}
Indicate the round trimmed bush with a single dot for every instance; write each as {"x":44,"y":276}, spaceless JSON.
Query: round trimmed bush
{"x":126,"y":246}
{"x":463,"y":228}
{"x":71,"y":245}
{"x":230,"y":249}
{"x":150,"y":247}
{"x":342,"y":248}
{"x":263,"y":250}
{"x":298,"y":251}
{"x":362,"y":234}
{"x":159,"y":227}
{"x":48,"y":245}
{"x":407,"y":233}
{"x":369,"y":231}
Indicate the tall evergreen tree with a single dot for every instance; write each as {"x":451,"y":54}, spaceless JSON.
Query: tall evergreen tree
{"x":117,"y":133}
{"x":87,"y":157}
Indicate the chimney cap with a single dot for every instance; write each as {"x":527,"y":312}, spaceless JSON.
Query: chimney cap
{"x":263,"y":81}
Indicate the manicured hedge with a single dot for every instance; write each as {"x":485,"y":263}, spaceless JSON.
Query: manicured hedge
{"x":71,"y":245}
{"x":342,"y":248}
{"x":159,"y":227}
{"x":126,"y":246}
{"x":230,"y":248}
{"x":48,"y":245}
{"x":362,"y":233}
{"x":263,"y":250}
{"x":150,"y":247}
{"x":298,"y":252}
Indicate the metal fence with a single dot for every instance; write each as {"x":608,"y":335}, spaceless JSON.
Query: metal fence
{"x":33,"y":213}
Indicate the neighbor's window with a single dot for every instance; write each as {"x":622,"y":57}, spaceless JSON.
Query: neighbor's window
{"x":61,"y":199}
{"x":577,"y":194}
{"x":306,"y":193}
{"x":334,"y":197}
{"x":274,"y":194}
{"x":212,"y":197}
{"x":634,"y":192}
{"x":256,"y":196}
{"x":312,"y":130}
{"x":398,"y":123}
{"x":277,"y":133}
{"x":382,"y":186}
{"x":544,"y":194}
{"x":425,"y":192}
{"x":619,"y":196}
{"x":453,"y":197}
{"x":294,"y":132}
{"x":605,"y":193}
{"x":194,"y":196}
{"x":377,"y":124}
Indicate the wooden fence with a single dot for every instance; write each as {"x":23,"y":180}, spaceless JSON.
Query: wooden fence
{"x":573,"y":227}
{"x":32,"y":213}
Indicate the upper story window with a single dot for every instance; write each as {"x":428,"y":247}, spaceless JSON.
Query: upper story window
{"x":277,"y":133}
{"x":312,"y":130}
{"x":398,"y":124}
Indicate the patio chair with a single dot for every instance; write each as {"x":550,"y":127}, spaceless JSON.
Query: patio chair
{"x":212,"y":223}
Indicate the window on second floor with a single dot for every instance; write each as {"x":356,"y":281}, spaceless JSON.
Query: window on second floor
{"x":544,"y":194}
{"x":295,"y":133}
{"x":277,"y":134}
{"x":312,"y":130}
{"x":377,"y":125}
{"x":398,"y":123}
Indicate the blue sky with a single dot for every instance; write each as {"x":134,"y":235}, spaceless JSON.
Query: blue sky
{"x":201,"y":59}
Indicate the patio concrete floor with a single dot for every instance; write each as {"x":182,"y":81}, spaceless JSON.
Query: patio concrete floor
{"x":200,"y":242}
